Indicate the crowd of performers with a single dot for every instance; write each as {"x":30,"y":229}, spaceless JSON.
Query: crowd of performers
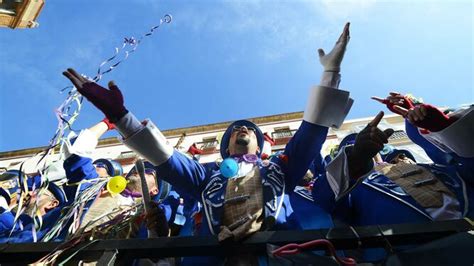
{"x":366,"y":182}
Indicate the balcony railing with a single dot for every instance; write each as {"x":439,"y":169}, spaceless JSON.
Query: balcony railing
{"x":260,"y":243}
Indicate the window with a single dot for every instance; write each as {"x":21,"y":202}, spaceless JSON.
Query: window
{"x":208,"y":145}
{"x":282,"y":135}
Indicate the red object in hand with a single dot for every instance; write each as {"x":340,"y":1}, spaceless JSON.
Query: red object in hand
{"x":407,"y":104}
{"x":435,"y":120}
{"x":110,"y":125}
{"x":193,"y":150}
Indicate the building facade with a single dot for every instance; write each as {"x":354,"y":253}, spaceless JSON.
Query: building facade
{"x":20,"y":14}
{"x":205,"y":139}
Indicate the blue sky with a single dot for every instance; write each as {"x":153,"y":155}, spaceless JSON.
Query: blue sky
{"x":226,"y":60}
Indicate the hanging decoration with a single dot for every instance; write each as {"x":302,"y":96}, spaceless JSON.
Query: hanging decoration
{"x":66,"y":114}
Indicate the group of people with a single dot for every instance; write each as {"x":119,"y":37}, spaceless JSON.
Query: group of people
{"x":366,"y":183}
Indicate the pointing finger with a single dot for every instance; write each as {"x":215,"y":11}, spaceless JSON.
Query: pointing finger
{"x":345,"y":33}
{"x":378,"y":99}
{"x":377,"y":119}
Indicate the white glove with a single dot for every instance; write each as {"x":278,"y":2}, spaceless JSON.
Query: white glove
{"x":332,"y":61}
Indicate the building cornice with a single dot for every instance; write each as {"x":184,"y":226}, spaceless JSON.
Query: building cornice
{"x":177,"y":132}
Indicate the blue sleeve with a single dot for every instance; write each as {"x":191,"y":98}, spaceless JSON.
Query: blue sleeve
{"x":302,"y":149}
{"x":26,"y":235}
{"x":324,"y":197}
{"x":6,"y":222}
{"x":435,"y":154}
{"x":170,"y":205}
{"x":183,"y":173}
{"x":78,"y":168}
{"x":318,"y":166}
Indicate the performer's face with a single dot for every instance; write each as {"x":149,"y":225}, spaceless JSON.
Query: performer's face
{"x":44,"y":203}
{"x":402,"y":158}
{"x":135,"y":184}
{"x":101,"y":170}
{"x":243,"y":140}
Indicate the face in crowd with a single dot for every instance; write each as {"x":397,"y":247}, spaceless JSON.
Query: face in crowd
{"x":243,"y":140}
{"x":44,"y":202}
{"x":134,"y":183}
{"x":402,"y":158}
{"x":101,"y":169}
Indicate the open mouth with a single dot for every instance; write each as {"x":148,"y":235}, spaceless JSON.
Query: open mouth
{"x":243,"y":134}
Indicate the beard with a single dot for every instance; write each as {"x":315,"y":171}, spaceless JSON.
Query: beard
{"x":243,"y":140}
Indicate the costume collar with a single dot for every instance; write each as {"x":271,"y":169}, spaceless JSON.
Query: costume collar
{"x":128,"y":193}
{"x":248,"y":158}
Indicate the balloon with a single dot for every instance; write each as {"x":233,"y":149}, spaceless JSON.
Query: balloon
{"x":116,"y":184}
{"x":229,"y":168}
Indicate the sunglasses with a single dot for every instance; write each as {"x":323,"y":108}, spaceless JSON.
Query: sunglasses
{"x":100,"y":165}
{"x":148,"y":171}
{"x":238,"y":128}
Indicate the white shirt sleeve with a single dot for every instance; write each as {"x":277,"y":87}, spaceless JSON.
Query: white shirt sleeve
{"x":82,"y":145}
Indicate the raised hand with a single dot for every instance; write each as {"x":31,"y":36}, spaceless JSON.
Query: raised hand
{"x":395,"y":99}
{"x":426,"y":116}
{"x":109,"y":101}
{"x":368,"y":143}
{"x":332,"y":61}
{"x":156,"y":220}
{"x":371,"y":139}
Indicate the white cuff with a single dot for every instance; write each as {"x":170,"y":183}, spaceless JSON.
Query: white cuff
{"x":128,"y":125}
{"x":327,"y":106}
{"x":82,"y":145}
{"x":337,"y":174}
{"x":330,"y":79}
{"x":458,"y":137}
{"x":150,"y":144}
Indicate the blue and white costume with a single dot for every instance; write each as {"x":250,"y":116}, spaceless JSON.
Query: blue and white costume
{"x":376,"y":199}
{"x":205,"y":182}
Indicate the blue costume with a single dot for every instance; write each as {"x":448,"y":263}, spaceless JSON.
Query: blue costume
{"x":308,"y":214}
{"x":22,"y":230}
{"x":376,"y":199}
{"x":205,"y":182}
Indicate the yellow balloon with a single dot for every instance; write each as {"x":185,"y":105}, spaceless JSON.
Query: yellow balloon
{"x":116,"y":184}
